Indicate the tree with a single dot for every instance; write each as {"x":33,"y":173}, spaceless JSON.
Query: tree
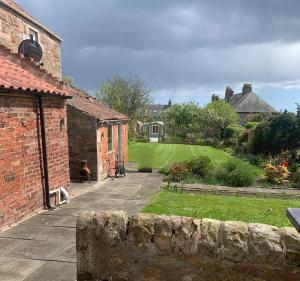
{"x":277,"y":134}
{"x":215,"y":117}
{"x":128,"y":96}
{"x":182,"y":119}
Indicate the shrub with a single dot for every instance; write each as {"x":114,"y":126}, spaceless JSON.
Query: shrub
{"x":233,"y":131}
{"x":178,"y":172}
{"x":295,"y":180}
{"x":164,"y":170}
{"x":199,"y":166}
{"x":236,"y":173}
{"x":251,"y":125}
{"x":280,"y":133}
{"x":254,"y":159}
{"x":276,"y":174}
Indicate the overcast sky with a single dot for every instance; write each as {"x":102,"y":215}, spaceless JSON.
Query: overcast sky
{"x":185,"y":50}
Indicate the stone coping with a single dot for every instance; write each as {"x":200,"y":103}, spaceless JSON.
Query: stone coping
{"x":245,"y":191}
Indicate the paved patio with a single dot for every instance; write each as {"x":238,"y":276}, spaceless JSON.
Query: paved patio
{"x":42,"y":248}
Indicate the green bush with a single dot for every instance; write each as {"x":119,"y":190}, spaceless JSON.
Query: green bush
{"x":236,"y":173}
{"x":280,"y":133}
{"x":233,"y":131}
{"x":295,"y":180}
{"x":164,"y":170}
{"x":199,"y":166}
{"x":251,"y":125}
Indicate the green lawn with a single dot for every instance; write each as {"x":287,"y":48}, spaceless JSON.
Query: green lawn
{"x":247,"y":209}
{"x":165,"y":154}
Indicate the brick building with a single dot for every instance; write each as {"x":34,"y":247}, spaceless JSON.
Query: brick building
{"x":97,"y":134}
{"x":34,"y":156}
{"x":31,"y":161}
{"x":17,"y":25}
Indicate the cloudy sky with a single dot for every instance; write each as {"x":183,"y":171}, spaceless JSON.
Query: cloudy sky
{"x":185,"y":50}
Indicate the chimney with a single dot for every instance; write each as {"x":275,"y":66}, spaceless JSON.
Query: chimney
{"x":247,"y":88}
{"x":228,"y":93}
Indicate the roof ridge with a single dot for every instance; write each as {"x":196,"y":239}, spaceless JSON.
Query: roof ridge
{"x":28,"y":63}
{"x":18,"y":9}
{"x":93,"y":102}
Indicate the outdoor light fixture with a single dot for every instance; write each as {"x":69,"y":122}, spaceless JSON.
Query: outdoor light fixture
{"x":294,"y":216}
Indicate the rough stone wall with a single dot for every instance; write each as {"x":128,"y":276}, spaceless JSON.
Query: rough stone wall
{"x":106,"y":162}
{"x":21,"y":190}
{"x":111,"y":246}
{"x":14,"y":29}
{"x":82,"y":139}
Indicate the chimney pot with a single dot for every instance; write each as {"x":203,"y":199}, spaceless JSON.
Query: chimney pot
{"x":228,"y":93}
{"x":247,"y":88}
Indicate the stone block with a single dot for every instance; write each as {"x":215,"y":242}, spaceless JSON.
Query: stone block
{"x":264,"y":243}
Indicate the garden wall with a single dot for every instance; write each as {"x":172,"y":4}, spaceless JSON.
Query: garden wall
{"x":112,"y":246}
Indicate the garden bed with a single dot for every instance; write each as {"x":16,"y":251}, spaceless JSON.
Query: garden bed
{"x":272,"y":192}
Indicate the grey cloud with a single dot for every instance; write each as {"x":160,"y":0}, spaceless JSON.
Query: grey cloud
{"x":192,"y":46}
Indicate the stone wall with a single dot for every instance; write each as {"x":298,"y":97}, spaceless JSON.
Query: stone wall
{"x":14,"y":28}
{"x":111,"y":246}
{"x":82,"y":140}
{"x":21,"y":190}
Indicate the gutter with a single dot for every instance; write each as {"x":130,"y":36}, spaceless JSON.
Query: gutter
{"x":44,"y":152}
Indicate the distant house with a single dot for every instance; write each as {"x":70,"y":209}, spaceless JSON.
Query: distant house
{"x":154,"y":112}
{"x":247,"y":103}
{"x":96,"y":133}
{"x":153,"y":130}
{"x":151,"y":122}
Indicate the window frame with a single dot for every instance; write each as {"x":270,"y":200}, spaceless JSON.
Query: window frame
{"x":110,"y":138}
{"x":156,"y":129}
{"x":34,"y":33}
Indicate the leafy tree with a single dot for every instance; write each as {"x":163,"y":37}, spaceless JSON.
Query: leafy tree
{"x":182,"y":119}
{"x":128,"y":96}
{"x":215,"y":117}
{"x":277,"y":134}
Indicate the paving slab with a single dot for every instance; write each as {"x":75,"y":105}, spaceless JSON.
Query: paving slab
{"x":54,"y":271}
{"x":14,"y":269}
{"x":43,"y":247}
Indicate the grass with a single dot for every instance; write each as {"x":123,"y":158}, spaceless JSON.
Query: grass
{"x":221,"y":207}
{"x":167,"y":154}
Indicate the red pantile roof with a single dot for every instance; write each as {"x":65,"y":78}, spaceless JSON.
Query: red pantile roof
{"x":14,"y":6}
{"x":93,"y":107}
{"x":19,"y":73}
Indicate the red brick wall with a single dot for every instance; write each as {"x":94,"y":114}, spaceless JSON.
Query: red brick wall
{"x":106,"y":159}
{"x":21,"y":191}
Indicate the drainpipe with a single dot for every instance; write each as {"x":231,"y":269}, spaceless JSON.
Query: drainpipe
{"x":44,"y":152}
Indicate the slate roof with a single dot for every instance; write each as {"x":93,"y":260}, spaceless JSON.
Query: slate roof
{"x":23,"y":74}
{"x":250,"y":103}
{"x":18,"y":9}
{"x":154,"y":110}
{"x":93,"y":107}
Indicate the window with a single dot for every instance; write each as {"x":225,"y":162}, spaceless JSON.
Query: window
{"x":155,"y":129}
{"x":33,"y":35}
{"x":110,"y":137}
